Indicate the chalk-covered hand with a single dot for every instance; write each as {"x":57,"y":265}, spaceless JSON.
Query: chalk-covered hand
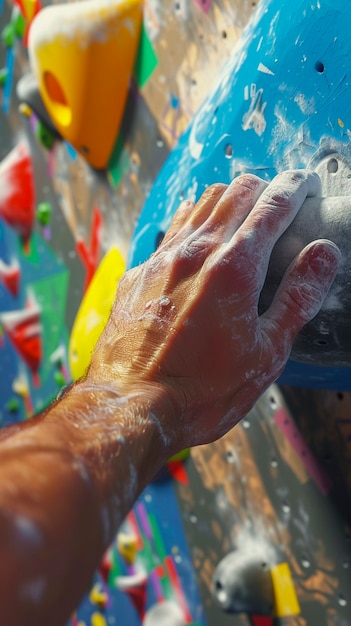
{"x":185,"y":326}
{"x":183,"y":357}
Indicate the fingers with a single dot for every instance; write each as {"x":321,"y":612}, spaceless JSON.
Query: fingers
{"x":273,"y":212}
{"x":234,"y":205}
{"x":194,"y":215}
{"x":301,"y":293}
{"x":206,"y":204}
{"x":221,"y":209}
{"x":181,"y":216}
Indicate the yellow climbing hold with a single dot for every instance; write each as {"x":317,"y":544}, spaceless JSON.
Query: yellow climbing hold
{"x":98,"y":596}
{"x":25,"y":109}
{"x":94,"y":311}
{"x":82,"y":55}
{"x":285,"y":599}
{"x":127,"y":546}
{"x":98,"y":620}
{"x":21,"y":387}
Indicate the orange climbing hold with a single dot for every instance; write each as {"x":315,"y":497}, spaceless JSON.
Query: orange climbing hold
{"x":29,"y":9}
{"x":82,"y":55}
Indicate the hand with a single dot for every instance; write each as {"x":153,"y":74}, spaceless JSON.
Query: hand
{"x":185,"y":323}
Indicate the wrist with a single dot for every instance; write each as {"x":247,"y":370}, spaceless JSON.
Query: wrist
{"x":113,"y":431}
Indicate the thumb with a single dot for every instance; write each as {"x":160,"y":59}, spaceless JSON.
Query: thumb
{"x":302,"y":291}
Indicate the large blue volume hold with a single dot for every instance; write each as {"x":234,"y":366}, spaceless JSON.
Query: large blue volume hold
{"x":282,"y":101}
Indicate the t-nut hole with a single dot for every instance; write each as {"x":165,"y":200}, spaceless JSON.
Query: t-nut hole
{"x":228,"y":150}
{"x":319,"y":67}
{"x":221,"y":592}
{"x":332,"y":166}
{"x":320,"y":342}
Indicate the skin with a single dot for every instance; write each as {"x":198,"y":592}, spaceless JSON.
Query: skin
{"x":182,"y":359}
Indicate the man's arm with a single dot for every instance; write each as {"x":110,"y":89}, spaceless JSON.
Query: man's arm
{"x":182,"y":359}
{"x":67,"y":480}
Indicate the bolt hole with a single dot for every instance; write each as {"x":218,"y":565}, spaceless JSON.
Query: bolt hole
{"x":320,"y":342}
{"x":340,"y":395}
{"x":228,"y":150}
{"x":332,"y":166}
{"x":285,"y":508}
{"x":230,"y":456}
{"x":221,"y":592}
{"x":319,"y":67}
{"x":342,"y":600}
{"x":273,"y":402}
{"x":305,"y":562}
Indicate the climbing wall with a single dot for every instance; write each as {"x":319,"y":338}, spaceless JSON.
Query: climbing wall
{"x":273,"y":496}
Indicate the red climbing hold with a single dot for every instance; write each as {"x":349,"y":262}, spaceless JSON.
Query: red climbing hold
{"x":23,"y":328}
{"x":10,"y":274}
{"x":17,"y":196}
{"x":261,"y":620}
{"x":135,"y":586}
{"x":138,"y":597}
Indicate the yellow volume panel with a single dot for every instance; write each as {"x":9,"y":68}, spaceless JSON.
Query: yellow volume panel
{"x":82,"y":55}
{"x":94,"y":311}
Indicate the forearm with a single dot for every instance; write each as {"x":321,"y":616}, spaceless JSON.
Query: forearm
{"x":68,"y":479}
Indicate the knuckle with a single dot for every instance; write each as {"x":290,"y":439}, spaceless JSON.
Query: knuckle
{"x":213,"y":191}
{"x":288,"y":187}
{"x":249,"y":181}
{"x":281,"y":199}
{"x":304,"y":300}
{"x":294,"y":176}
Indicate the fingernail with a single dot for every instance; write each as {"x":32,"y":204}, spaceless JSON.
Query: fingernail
{"x":325,"y":258}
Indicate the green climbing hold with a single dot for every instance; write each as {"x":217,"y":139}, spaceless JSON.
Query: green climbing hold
{"x":3,"y":76}
{"x":8,"y":35}
{"x":43,"y":213}
{"x":13,"y":405}
{"x":60,"y":379}
{"x":19,"y":25}
{"x":44,"y":135}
